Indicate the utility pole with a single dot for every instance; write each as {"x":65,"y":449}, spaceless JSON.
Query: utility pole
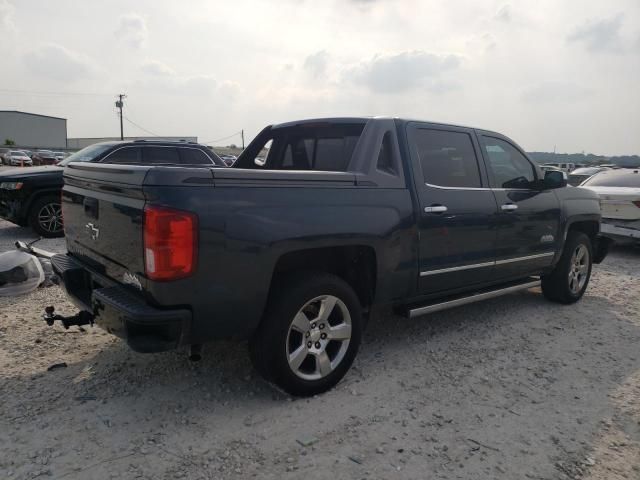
{"x":119,"y":105}
{"x":242,"y":135}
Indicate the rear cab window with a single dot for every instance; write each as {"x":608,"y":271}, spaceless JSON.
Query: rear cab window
{"x":319,"y":147}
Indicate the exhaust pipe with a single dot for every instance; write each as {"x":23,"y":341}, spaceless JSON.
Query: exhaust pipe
{"x":195,"y":353}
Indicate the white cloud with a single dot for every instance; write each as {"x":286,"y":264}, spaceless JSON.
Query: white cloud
{"x":132,"y":29}
{"x":503,"y":14}
{"x":55,"y":62}
{"x":6,"y":16}
{"x":157,"y":68}
{"x":398,"y":73}
{"x":218,"y":67}
{"x":555,"y":92}
{"x":601,"y":35}
{"x":316,"y":64}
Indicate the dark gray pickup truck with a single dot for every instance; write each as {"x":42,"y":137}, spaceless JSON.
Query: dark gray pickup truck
{"x":316,"y":223}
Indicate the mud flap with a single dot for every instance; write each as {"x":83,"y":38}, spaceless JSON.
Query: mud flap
{"x":601,"y":248}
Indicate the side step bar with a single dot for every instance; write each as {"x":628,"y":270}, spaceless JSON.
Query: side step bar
{"x":476,"y":297}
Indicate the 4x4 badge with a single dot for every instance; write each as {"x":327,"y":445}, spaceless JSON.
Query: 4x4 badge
{"x":93,"y":231}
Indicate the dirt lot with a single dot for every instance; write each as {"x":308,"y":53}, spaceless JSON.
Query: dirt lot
{"x":506,"y":389}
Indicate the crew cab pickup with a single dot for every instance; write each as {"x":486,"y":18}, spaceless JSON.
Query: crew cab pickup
{"x":316,"y":223}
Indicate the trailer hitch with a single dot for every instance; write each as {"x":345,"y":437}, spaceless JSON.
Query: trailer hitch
{"x":79,"y":319}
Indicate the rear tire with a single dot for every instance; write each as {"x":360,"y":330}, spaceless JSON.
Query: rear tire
{"x":309,"y":335}
{"x":45,"y":217}
{"x":570,"y":277}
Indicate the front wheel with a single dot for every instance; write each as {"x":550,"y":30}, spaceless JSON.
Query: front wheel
{"x":309,"y":335}
{"x":569,"y":279}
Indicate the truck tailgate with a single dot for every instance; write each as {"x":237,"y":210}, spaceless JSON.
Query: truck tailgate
{"x":103,"y":209}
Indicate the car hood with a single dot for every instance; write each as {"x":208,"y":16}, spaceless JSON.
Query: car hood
{"x":20,"y":173}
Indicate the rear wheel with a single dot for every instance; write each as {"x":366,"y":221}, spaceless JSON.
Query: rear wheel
{"x":569,"y":279}
{"x":310,"y":334}
{"x":45,"y":217}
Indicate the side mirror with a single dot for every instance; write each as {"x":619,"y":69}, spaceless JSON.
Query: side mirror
{"x":554,"y":179}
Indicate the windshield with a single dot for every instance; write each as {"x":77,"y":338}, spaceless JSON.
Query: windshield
{"x":617,"y":178}
{"x":87,"y":154}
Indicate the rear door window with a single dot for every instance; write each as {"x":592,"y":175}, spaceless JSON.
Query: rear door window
{"x":447,"y":158}
{"x":124,"y":155}
{"x":160,"y":155}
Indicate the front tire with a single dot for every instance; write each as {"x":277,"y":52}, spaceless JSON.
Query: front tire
{"x":309,"y":335}
{"x":569,"y":279}
{"x":45,"y":217}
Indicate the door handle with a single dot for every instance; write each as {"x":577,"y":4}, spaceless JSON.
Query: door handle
{"x":508,"y":207}
{"x":435,"y":209}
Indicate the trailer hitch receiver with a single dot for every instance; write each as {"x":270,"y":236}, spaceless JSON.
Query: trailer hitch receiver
{"x":79,"y":319}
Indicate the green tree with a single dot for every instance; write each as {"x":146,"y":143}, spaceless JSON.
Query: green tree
{"x":8,"y":141}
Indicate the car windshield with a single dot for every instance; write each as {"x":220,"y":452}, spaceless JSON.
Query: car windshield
{"x":616,"y":178}
{"x":87,"y":154}
{"x":17,"y":154}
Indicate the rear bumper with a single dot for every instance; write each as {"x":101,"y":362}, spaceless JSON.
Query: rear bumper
{"x":620,"y":233}
{"x":119,"y":310}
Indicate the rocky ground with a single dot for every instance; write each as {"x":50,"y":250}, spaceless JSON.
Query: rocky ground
{"x":510,"y":388}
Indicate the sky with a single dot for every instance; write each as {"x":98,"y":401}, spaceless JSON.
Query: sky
{"x":549,"y":74}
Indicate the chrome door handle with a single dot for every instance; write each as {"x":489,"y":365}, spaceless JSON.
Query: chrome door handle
{"x":435,"y":209}
{"x":509,"y":207}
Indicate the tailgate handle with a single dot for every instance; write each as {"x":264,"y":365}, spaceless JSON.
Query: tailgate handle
{"x":91,"y":207}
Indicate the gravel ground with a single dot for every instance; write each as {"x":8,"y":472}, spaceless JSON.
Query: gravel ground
{"x":510,"y":388}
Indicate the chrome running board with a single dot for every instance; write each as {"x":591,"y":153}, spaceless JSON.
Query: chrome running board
{"x":476,"y":297}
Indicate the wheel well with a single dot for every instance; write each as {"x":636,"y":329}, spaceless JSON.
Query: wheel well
{"x":588,"y":227}
{"x":355,"y":264}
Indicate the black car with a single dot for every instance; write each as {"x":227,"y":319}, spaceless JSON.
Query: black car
{"x":32,"y":196}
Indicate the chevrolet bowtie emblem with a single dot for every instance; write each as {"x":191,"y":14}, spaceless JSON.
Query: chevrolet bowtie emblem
{"x":93,"y":231}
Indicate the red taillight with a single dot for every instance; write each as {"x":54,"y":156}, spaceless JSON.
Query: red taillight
{"x":170,"y":243}
{"x":636,"y":203}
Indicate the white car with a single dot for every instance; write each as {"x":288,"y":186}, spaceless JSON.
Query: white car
{"x":17,"y":158}
{"x":619,"y":192}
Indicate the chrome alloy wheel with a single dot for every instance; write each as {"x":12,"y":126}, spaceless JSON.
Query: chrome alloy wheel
{"x":50,"y":217}
{"x":578,"y":269}
{"x":318,"y":337}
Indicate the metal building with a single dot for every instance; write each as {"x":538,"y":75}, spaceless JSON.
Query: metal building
{"x":79,"y":143}
{"x":30,"y":130}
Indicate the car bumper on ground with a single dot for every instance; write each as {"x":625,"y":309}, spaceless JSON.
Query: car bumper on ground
{"x":119,"y":310}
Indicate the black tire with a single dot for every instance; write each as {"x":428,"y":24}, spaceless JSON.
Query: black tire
{"x":42,"y":223}
{"x":270,"y":345}
{"x":557,"y":286}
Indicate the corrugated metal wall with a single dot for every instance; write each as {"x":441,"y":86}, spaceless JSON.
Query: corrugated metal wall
{"x":35,"y":131}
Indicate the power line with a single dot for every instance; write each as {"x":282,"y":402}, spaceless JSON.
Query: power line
{"x":55,"y":94}
{"x":141,"y":128}
{"x":239,"y":132}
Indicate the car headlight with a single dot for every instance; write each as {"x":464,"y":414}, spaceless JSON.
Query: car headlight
{"x":11,"y":185}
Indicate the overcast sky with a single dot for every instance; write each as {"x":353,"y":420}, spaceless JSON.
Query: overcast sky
{"x":563,"y":73}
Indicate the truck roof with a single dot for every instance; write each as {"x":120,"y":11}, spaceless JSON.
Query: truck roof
{"x":363,"y":120}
